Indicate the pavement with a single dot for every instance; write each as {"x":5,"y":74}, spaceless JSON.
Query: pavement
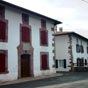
{"x":68,"y":80}
{"x":76,"y":84}
{"x":29,"y":79}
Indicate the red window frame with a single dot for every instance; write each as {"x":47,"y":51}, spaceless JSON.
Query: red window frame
{"x":4,"y":34}
{"x":44,"y":60}
{"x":24,"y":37}
{"x":4,"y":67}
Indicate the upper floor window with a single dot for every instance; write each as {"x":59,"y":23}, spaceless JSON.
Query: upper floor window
{"x":25,"y":19}
{"x":81,"y":49}
{"x":43,"y":24}
{"x":3,"y":31}
{"x":2,"y":11}
{"x":44,"y":37}
{"x":25,"y":34}
{"x":77,"y":48}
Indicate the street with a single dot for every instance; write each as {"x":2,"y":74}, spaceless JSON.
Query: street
{"x":69,"y":80}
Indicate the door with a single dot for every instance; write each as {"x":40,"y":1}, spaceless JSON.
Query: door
{"x":25,"y":65}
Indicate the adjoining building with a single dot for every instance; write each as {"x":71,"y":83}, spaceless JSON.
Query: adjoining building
{"x":26,"y":43}
{"x":71,"y":52}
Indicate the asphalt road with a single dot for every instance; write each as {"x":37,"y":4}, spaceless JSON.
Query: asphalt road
{"x":68,"y":77}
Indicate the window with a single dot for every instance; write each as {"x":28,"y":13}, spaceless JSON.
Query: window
{"x":25,"y":34}
{"x":3,"y":31}
{"x":44,"y":37}
{"x":2,"y":11}
{"x":81,"y":49}
{"x":62,"y":63}
{"x":77,"y":48}
{"x":25,"y":19}
{"x":43,"y":24}
{"x":80,"y":62}
{"x":44,"y":61}
{"x":3,"y":61}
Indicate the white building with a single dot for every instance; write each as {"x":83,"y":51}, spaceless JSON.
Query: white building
{"x":71,"y":52}
{"x":26,"y":43}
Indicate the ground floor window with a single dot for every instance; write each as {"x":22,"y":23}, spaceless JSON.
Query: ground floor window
{"x":80,"y":62}
{"x":3,"y":61}
{"x":44,"y":60}
{"x":62,"y":63}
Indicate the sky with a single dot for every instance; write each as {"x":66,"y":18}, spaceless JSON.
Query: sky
{"x":73,"y":13}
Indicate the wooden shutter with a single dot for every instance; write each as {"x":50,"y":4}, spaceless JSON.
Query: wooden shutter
{"x":44,"y":37}
{"x":56,"y":63}
{"x":77,"y":62}
{"x":2,"y":30}
{"x":64,"y":63}
{"x":2,"y":62}
{"x":25,"y":34}
{"x":87,"y":50}
{"x":44,"y":62}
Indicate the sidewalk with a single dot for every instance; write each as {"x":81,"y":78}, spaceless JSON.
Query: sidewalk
{"x":30,"y":79}
{"x":76,"y":84}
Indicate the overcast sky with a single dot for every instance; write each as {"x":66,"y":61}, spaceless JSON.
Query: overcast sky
{"x":73,"y":13}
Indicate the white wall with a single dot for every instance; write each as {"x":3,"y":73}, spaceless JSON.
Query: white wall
{"x":14,"y":20}
{"x":38,"y":48}
{"x":61,"y":46}
{"x":79,"y":55}
{"x":13,"y":41}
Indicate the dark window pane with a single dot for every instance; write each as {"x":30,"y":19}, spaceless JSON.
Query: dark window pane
{"x":43,"y":23}
{"x":25,"y":18}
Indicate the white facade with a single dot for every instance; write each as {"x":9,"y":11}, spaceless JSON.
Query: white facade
{"x":79,"y":55}
{"x":14,"y":20}
{"x":62,"y":50}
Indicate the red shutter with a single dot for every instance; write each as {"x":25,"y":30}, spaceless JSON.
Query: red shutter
{"x":25,"y":34}
{"x":44,"y":59}
{"x":2,"y":62}
{"x":2,"y":30}
{"x":44,"y":37}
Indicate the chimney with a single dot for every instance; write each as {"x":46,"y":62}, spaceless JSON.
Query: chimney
{"x":61,"y":29}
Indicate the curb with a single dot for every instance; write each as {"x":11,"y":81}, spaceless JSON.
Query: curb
{"x":29,"y":79}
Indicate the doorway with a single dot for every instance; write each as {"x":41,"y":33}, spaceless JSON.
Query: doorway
{"x":25,"y":65}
